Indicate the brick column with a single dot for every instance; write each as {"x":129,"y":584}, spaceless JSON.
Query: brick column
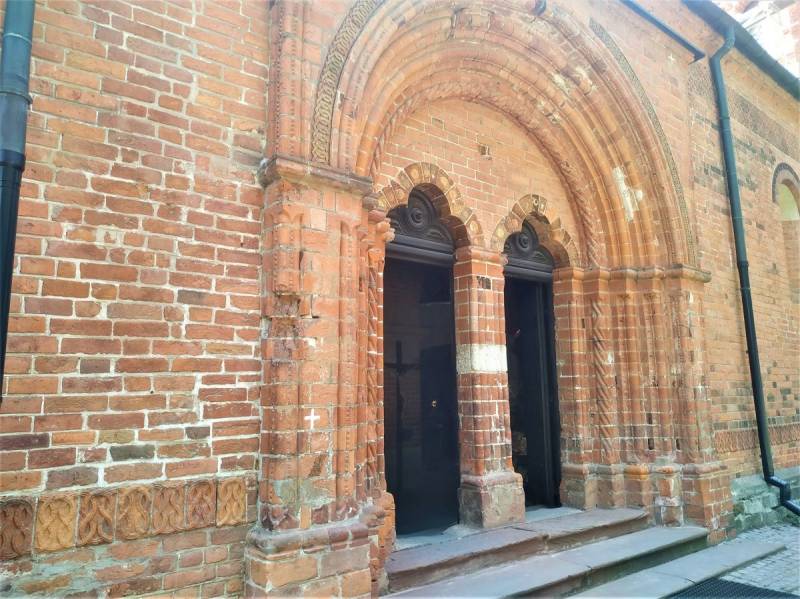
{"x":578,"y":483}
{"x":610,"y":478}
{"x":315,"y":518}
{"x":705,"y":482}
{"x":491,"y":492}
{"x":382,"y":530}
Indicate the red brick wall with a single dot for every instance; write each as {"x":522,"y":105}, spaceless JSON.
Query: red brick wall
{"x":764,"y":120}
{"x":134,"y":350}
{"x":134,"y":346}
{"x":136,"y":358}
{"x":449,"y":133}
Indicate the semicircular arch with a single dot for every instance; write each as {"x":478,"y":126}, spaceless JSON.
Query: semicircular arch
{"x":442,"y":192}
{"x":578,"y":96}
{"x":535,"y":210}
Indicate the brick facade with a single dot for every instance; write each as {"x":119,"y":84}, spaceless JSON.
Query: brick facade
{"x":194,"y":395}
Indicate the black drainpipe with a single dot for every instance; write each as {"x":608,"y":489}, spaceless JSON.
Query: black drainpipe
{"x":14,"y":102}
{"x":640,"y":10}
{"x":744,"y":277}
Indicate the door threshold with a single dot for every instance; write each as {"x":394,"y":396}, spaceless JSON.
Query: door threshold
{"x":433,"y":536}
{"x":534,"y":513}
{"x":441,"y":534}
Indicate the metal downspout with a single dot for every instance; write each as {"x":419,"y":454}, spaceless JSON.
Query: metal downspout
{"x":14,"y":102}
{"x":744,"y":276}
{"x":697,"y":53}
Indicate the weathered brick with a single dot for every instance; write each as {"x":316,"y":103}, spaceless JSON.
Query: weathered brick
{"x":121,"y":453}
{"x":169,"y":306}
{"x":71,"y":477}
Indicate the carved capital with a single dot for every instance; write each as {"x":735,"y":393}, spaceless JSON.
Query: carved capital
{"x":305,"y":173}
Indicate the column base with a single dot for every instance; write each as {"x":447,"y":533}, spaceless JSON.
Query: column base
{"x":638,"y":486}
{"x":381,"y":536}
{"x":610,"y":485}
{"x":331,"y":560}
{"x":669,"y":500}
{"x":491,"y":500}
{"x":707,"y":497}
{"x":578,"y":486}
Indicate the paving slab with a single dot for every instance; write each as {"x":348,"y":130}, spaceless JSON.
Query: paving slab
{"x":777,"y":572}
{"x":682,"y":573}
{"x":524,"y":576}
{"x":557,"y":573}
{"x":463,"y":548}
{"x":534,"y":514}
{"x":619,"y":549}
{"x":458,"y":554}
{"x":717,"y":560}
{"x":646,"y":584}
{"x":583,"y":522}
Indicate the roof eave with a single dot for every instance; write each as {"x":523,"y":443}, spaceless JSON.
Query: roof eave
{"x":720,"y":21}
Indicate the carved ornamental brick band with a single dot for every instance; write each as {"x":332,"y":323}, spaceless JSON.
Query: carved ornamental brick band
{"x":65,"y":520}
{"x":335,"y":59}
{"x":747,"y":439}
{"x":16,"y":526}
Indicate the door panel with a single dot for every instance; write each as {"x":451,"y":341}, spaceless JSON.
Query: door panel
{"x":420,"y":395}
{"x":532,"y":390}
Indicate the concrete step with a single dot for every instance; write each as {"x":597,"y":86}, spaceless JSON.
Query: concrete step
{"x":571,"y":570}
{"x":429,"y":563}
{"x":679,"y":574}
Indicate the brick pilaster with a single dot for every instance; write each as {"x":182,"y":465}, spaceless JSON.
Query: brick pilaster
{"x":313,"y":506}
{"x":610,"y":478}
{"x":491,"y":492}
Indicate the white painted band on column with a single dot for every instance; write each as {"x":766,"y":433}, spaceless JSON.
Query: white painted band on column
{"x":481,"y":357}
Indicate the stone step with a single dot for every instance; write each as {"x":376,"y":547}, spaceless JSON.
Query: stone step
{"x":571,"y":570}
{"x":429,"y":563}
{"x":679,"y":574}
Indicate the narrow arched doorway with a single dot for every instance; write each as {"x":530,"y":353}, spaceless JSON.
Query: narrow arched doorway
{"x":530,"y":350}
{"x":421,"y":422}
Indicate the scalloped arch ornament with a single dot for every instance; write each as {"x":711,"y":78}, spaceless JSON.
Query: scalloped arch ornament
{"x":443,"y":194}
{"x":533,"y":209}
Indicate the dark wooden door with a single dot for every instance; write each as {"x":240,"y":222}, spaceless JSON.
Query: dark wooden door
{"x":421,"y":443}
{"x":532,"y":389}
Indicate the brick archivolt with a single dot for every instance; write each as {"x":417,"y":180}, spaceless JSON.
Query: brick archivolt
{"x":537,"y":211}
{"x":546,"y":72}
{"x":442,"y":192}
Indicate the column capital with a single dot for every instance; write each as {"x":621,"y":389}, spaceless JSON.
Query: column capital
{"x":303,"y":172}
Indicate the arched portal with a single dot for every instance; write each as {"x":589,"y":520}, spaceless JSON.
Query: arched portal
{"x":532,"y":377}
{"x":632,"y":386}
{"x":420,"y":396}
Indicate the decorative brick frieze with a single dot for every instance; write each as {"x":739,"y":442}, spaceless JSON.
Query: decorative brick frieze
{"x":728,"y":441}
{"x":96,"y":517}
{"x":169,"y":506}
{"x":16,"y":528}
{"x":231,"y":502}
{"x":55,"y":522}
{"x":201,"y":503}
{"x":134,"y":512}
{"x":103,"y":516}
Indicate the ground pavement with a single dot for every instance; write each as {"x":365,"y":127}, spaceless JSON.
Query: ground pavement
{"x":779,"y":571}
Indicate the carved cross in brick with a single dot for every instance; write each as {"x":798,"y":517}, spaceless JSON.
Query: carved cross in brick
{"x":312,"y":418}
